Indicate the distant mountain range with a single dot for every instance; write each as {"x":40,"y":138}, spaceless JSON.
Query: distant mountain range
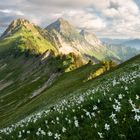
{"x":134,"y":43}
{"x":123,"y":51}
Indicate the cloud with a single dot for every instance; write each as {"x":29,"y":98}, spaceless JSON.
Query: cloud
{"x":83,"y":19}
{"x":121,"y":9}
{"x":108,"y":18}
{"x":8,"y":11}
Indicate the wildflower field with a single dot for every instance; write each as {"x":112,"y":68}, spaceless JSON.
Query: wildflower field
{"x":107,"y":107}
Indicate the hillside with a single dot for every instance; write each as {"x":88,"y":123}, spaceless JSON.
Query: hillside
{"x":25,"y":77}
{"x":105,"y":107}
{"x":24,"y":37}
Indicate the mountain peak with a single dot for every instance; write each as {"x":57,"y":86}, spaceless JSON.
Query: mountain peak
{"x":19,"y":21}
{"x":61,"y":25}
{"x":26,"y":37}
{"x":61,"y":20}
{"x":15,"y":25}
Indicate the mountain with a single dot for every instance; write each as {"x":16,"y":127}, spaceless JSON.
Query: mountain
{"x":121,"y":48}
{"x":67,"y":39}
{"x":113,"y":41}
{"x":133,"y":43}
{"x":23,"y":36}
{"x":122,"y":51}
{"x":100,"y":49}
{"x":62,"y":26}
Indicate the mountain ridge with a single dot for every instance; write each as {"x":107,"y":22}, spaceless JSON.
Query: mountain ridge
{"x":71,"y":40}
{"x":61,"y":37}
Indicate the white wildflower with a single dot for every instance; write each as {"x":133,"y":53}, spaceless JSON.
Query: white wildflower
{"x":76,"y":123}
{"x":95,"y":107}
{"x":100,"y":135}
{"x":110,"y":99}
{"x":130,"y":101}
{"x":93,"y":114}
{"x":104,"y":93}
{"x":46,"y":121}
{"x":43,"y":132}
{"x":137,"y":97}
{"x":112,"y":116}
{"x":57,"y":118}
{"x":37,"y":133}
{"x":136,"y":110}
{"x":115,"y":121}
{"x":28,"y":132}
{"x":49,"y":133}
{"x":117,"y":108}
{"x":63,"y":129}
{"x":107,"y":127}
{"x":99,"y":101}
{"x":120,"y":96}
{"x":57,"y":136}
{"x":91,"y":98}
{"x":126,"y":88}
{"x":137,"y":117}
{"x":73,"y":110}
{"x":88,"y":114}
{"x":69,"y":121}
{"x":95,"y":125}
{"x":19,"y":136}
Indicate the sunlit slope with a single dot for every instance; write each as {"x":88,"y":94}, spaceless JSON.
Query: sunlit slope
{"x":106,"y":107}
{"x":23,"y":36}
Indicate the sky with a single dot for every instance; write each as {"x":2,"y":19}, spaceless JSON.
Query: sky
{"x":105,"y":18}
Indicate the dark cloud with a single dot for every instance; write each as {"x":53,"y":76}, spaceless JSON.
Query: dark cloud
{"x":114,"y":5}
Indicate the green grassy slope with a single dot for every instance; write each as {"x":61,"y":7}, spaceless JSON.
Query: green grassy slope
{"x":16,"y":96}
{"x":106,"y":107}
{"x":24,"y":37}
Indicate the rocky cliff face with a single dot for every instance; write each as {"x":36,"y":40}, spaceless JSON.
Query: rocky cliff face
{"x":68,"y":39}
